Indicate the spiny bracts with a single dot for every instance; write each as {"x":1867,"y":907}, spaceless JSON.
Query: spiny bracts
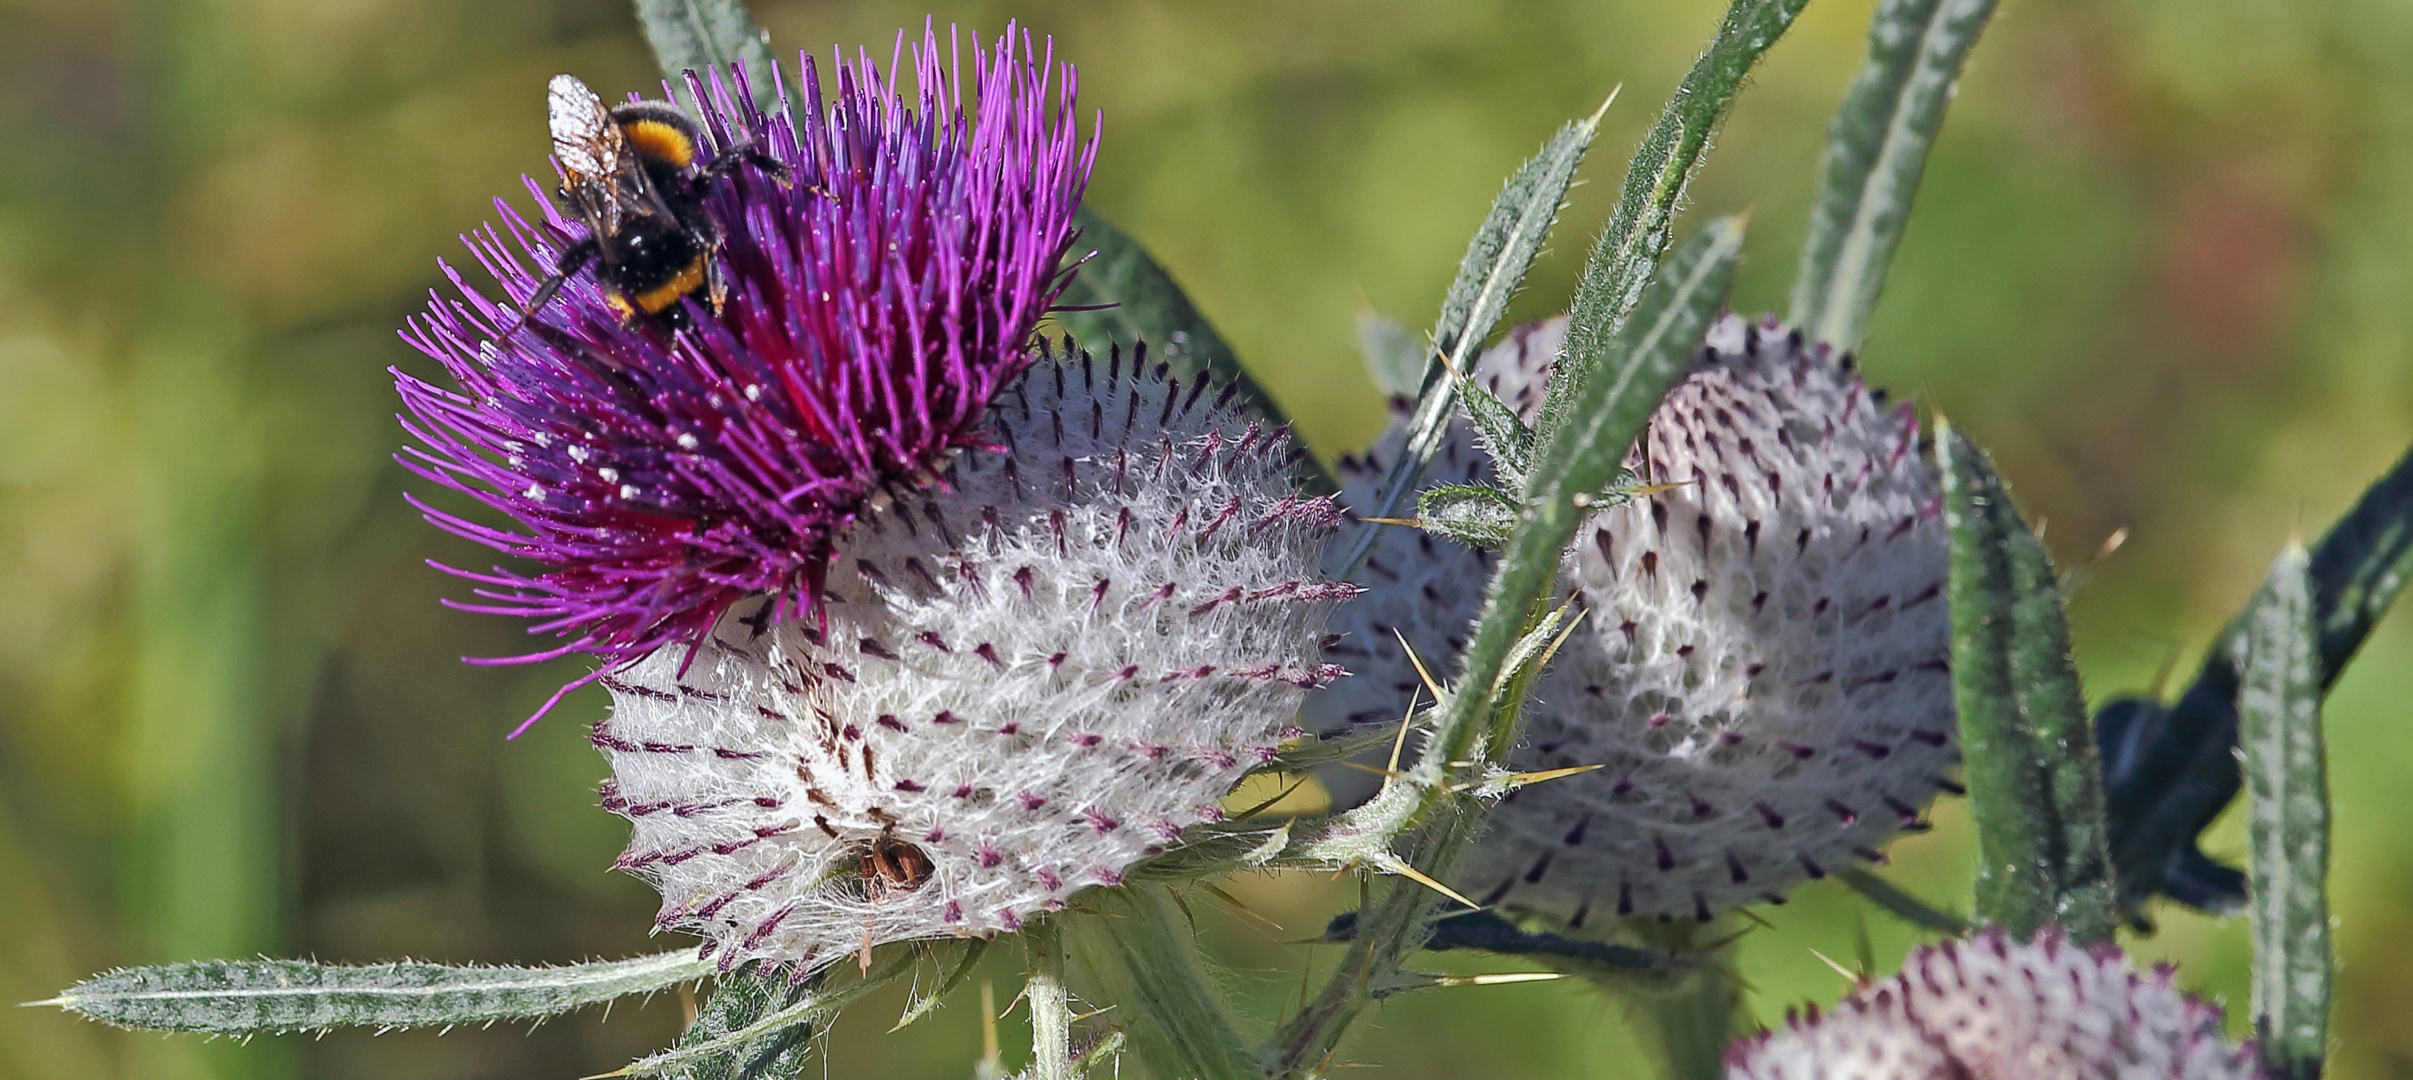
{"x":879,"y":296}
{"x":1992,"y":1009}
{"x":1026,"y":679}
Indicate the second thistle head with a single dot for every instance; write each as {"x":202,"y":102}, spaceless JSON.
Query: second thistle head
{"x":765,"y":325}
{"x":1761,"y":683}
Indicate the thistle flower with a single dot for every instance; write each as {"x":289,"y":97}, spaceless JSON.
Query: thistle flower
{"x":1763,"y":671}
{"x":878,"y":299}
{"x":1992,"y":1009}
{"x":1023,"y":681}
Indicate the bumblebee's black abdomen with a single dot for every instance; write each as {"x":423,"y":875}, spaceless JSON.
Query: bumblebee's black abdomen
{"x":651,"y":268}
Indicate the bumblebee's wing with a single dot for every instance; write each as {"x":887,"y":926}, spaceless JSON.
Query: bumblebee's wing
{"x":587,"y":141}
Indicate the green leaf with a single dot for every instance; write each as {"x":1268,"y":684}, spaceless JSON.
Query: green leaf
{"x":740,"y":999}
{"x":1875,"y":151}
{"x":1477,"y":516}
{"x":1643,"y":224}
{"x":2026,"y":746}
{"x":1130,"y":298}
{"x":2287,"y":833}
{"x":1394,"y":358}
{"x":763,"y":1027}
{"x":968,"y":953}
{"x":1496,"y":260}
{"x":1500,"y":433}
{"x":2171,"y":770}
{"x":244,"y":997}
{"x":704,"y":35}
{"x":1147,"y":963}
{"x":1526,"y":660}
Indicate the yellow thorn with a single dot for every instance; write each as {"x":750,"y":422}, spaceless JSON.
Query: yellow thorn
{"x":1401,"y":743}
{"x":1837,"y":968}
{"x":1414,"y":523}
{"x":1402,"y":869}
{"x":1603,"y":110}
{"x":1500,"y":979}
{"x":1523,"y":779}
{"x":1233,"y":902}
{"x":1090,"y":1013}
{"x":1344,"y":763}
{"x":1430,"y":683}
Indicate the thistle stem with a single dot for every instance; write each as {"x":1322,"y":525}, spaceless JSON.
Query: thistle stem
{"x":1050,"y":1002}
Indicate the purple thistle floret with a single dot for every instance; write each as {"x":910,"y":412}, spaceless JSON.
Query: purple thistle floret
{"x":877,"y":301}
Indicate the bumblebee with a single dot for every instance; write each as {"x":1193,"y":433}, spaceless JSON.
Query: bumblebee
{"x":631,"y":172}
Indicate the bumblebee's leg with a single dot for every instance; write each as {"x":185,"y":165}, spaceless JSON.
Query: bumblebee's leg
{"x":716,"y":282}
{"x":716,"y":285}
{"x":743,"y":154}
{"x":573,"y":259}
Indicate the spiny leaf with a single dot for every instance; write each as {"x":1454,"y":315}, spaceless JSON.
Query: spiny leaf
{"x":742,"y":998}
{"x":1176,"y":1025}
{"x":704,"y":35}
{"x":1130,"y":298}
{"x":1394,"y":357}
{"x":1644,"y":221}
{"x":2287,"y":833}
{"x":968,"y":952}
{"x":1477,"y":516}
{"x":2171,"y":770}
{"x":1501,"y":433}
{"x":243,"y":997}
{"x":761,"y":1026}
{"x":1496,"y":260}
{"x":2028,"y":753}
{"x":1875,"y":152}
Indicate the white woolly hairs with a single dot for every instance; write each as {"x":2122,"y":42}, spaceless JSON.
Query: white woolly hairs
{"x":1025,"y":683}
{"x":1991,"y":1009}
{"x":1763,"y":671}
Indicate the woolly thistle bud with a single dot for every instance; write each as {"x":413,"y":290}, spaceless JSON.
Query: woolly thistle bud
{"x":1762,"y":676}
{"x":1023,"y":682}
{"x":1989,"y":1009}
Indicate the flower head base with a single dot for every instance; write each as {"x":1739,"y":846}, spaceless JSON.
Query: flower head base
{"x":877,"y":299}
{"x":1991,"y":1009}
{"x":1023,"y":682}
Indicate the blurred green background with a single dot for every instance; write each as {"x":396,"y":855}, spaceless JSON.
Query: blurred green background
{"x":2162,"y":265}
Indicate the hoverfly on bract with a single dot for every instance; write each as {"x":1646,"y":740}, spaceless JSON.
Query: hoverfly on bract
{"x":631,"y":173}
